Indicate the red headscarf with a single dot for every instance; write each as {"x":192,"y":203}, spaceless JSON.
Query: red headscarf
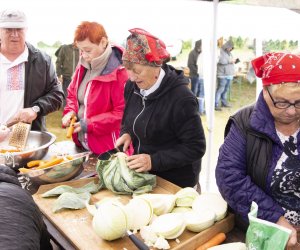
{"x":144,"y":48}
{"x":276,"y":68}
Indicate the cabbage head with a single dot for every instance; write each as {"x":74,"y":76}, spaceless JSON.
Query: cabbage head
{"x":115,"y":175}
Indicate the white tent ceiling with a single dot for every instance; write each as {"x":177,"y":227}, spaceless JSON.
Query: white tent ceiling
{"x":256,"y":21}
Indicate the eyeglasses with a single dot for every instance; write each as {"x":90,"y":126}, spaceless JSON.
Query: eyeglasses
{"x":11,"y":30}
{"x":283,"y":105}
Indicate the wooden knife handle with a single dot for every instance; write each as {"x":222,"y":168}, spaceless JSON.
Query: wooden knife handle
{"x":71,"y":128}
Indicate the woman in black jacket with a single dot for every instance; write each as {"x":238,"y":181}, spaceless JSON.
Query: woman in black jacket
{"x":161,"y":117}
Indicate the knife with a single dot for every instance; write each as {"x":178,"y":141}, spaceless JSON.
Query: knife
{"x":106,"y":155}
{"x":136,"y":241}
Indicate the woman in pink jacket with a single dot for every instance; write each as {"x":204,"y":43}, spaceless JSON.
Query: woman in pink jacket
{"x":95,"y":94}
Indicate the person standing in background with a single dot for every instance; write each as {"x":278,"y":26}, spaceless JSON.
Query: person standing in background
{"x":29,"y":87}
{"x":96,"y":92}
{"x":196,"y":81}
{"x":225,"y":73}
{"x":66,"y":62}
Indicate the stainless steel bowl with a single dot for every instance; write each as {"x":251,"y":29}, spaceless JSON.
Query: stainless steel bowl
{"x":36,"y":148}
{"x":61,"y":172}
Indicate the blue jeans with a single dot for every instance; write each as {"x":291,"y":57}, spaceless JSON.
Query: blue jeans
{"x":221,"y":93}
{"x":198,"y":90}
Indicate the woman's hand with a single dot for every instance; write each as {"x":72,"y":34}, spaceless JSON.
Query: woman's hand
{"x":139,"y":163}
{"x":67,"y":119}
{"x":293,"y":237}
{"x":124,"y":139}
{"x":77,"y":127}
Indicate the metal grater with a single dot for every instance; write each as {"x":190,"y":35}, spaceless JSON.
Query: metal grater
{"x":19,"y":135}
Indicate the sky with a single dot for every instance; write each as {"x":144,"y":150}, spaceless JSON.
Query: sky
{"x":52,"y":20}
{"x":56,"y":20}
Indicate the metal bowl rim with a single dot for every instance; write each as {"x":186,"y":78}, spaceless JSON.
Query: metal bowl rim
{"x":44,"y":170}
{"x":52,"y":140}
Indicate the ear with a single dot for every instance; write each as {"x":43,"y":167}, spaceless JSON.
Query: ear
{"x":265,"y":93}
{"x":103,"y":42}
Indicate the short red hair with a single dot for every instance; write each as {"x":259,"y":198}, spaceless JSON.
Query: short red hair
{"x":91,"y":30}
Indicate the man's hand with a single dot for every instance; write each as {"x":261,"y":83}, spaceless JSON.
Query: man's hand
{"x":4,"y":132}
{"x":140,"y":163}
{"x":25,"y":115}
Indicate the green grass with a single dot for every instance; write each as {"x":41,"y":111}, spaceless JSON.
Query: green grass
{"x":53,"y":123}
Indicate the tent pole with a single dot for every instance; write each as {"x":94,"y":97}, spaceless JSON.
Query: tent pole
{"x":211,"y":105}
{"x":258,"y":52}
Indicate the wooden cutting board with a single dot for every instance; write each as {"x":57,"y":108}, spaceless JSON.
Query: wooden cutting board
{"x":76,"y":225}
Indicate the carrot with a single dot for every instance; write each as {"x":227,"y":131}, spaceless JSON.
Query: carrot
{"x":71,"y":128}
{"x":214,"y":241}
{"x":34,"y":163}
{"x":3,"y":151}
{"x":69,"y":157}
{"x":42,"y":162}
{"x":24,"y":170}
{"x":50,"y":163}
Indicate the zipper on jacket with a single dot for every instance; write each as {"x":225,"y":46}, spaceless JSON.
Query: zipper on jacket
{"x":143,"y":100}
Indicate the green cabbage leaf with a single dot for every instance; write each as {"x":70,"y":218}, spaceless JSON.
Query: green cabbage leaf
{"x":115,"y":175}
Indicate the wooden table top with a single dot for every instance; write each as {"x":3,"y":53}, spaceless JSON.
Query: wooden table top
{"x":234,"y":235}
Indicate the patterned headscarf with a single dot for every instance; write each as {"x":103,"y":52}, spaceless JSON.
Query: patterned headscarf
{"x":276,"y":68}
{"x":144,"y":48}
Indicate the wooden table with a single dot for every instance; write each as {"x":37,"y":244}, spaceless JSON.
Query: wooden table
{"x":235,"y":235}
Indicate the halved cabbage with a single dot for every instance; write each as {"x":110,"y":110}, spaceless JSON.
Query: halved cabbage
{"x":211,"y":202}
{"x":161,"y":203}
{"x":186,"y":196}
{"x":181,"y":209}
{"x":198,"y":221}
{"x":139,"y":213}
{"x":169,"y":226}
{"x":110,"y":221}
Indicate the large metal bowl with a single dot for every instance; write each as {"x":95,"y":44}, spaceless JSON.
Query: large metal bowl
{"x":60,"y":172}
{"x":36,"y":148}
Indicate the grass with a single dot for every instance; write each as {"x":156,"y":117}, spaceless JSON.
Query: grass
{"x":53,"y":123}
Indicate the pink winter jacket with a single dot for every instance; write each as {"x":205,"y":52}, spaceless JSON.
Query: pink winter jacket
{"x":104,"y":103}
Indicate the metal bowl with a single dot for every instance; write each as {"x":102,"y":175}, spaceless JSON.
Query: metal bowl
{"x":36,"y":148}
{"x":58,"y":173}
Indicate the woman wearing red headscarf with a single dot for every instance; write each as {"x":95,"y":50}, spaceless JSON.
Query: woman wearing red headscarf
{"x":161,"y":117}
{"x":259,"y":160}
{"x":95,"y":94}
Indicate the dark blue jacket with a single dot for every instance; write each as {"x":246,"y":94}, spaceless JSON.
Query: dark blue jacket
{"x":235,"y":185}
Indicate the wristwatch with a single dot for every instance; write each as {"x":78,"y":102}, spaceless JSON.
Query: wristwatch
{"x":36,"y":109}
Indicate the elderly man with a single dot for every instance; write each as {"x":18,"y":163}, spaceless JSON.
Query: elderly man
{"x":259,"y":160}
{"x":29,"y":88}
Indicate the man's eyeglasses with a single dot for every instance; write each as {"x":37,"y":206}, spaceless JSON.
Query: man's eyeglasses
{"x":11,"y":30}
{"x":283,"y":105}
